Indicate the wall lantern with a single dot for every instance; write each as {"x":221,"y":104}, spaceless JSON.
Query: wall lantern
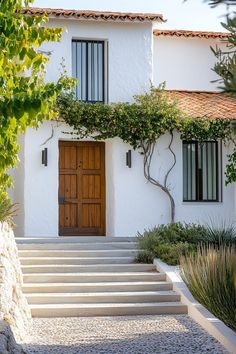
{"x":128,"y":159}
{"x":45,"y":157}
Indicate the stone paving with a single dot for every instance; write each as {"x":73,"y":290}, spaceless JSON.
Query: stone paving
{"x":120,"y":335}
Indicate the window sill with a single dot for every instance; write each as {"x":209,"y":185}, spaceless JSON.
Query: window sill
{"x":202,"y":202}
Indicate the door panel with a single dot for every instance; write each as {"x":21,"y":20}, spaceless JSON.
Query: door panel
{"x":81,"y":188}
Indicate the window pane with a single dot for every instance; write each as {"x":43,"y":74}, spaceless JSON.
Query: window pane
{"x":209,"y":170}
{"x":185,"y":171}
{"x":88,"y":68}
{"x":74,"y":71}
{"x":89,"y":80}
{"x":214,"y":171}
{"x":189,"y":171}
{"x":83,"y":73}
{"x":100,"y":71}
{"x":79,"y":69}
{"x":200,"y":171}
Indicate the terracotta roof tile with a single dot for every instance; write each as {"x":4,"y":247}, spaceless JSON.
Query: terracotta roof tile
{"x":94,"y":15}
{"x":191,"y":34}
{"x":199,"y":104}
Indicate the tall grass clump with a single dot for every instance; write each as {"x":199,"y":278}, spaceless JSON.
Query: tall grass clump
{"x":220,"y":233}
{"x":210,"y":275}
{"x":7,"y":209}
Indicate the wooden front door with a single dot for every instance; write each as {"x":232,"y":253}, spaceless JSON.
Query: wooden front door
{"x":81,"y":188}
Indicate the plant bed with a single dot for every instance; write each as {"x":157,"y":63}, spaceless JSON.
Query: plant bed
{"x":212,"y":324}
{"x":170,"y":242}
{"x":210,"y":275}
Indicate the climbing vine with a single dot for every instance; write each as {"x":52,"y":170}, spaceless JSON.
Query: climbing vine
{"x":141,"y":124}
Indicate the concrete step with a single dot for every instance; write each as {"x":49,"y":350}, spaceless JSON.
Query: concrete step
{"x":65,"y":268}
{"x":79,"y":253}
{"x":73,"y":239}
{"x":74,"y":260}
{"x":97,"y":287}
{"x":78,"y":246}
{"x":93,"y":277}
{"x":112,"y":297}
{"x":115,"y":309}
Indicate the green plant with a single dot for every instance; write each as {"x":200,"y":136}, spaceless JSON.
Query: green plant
{"x":7,"y":209}
{"x":144,"y":256}
{"x":220,"y":233}
{"x":26,"y":100}
{"x":225,"y":68}
{"x":168,"y":242}
{"x":171,"y":252}
{"x":210,"y":275}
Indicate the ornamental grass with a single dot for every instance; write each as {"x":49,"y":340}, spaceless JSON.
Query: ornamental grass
{"x":7,"y":209}
{"x":210,"y":275}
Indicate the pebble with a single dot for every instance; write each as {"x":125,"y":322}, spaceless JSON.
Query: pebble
{"x":120,"y":335}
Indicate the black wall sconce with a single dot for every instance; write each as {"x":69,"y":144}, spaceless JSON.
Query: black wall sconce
{"x":45,"y":157}
{"x":128,"y":159}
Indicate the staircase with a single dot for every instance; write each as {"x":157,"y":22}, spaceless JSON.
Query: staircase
{"x":92,"y":276}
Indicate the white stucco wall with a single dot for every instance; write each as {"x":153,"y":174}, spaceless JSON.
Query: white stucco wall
{"x":132,"y":204}
{"x":184,"y":63}
{"x":129,"y":54}
{"x":41,"y":183}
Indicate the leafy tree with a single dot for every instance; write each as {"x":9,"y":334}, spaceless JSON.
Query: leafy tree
{"x":25,"y":99}
{"x":226,"y":69}
{"x":226,"y":64}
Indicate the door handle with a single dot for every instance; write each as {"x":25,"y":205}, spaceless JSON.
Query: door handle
{"x":61,"y":200}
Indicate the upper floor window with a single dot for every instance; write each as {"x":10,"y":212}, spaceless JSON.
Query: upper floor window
{"x":88,"y":68}
{"x":200,"y":171}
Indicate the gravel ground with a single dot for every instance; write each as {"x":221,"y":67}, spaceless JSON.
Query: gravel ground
{"x":120,"y":335}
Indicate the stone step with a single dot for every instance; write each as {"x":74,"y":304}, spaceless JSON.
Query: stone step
{"x":114,"y":309}
{"x":93,"y":277}
{"x":72,"y":239}
{"x":65,"y":268}
{"x":74,"y":260}
{"x":112,"y":297}
{"x":78,"y":246}
{"x":97,"y":287}
{"x":79,"y":253}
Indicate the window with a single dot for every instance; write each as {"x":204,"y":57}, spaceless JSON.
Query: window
{"x":200,"y":171}
{"x":88,"y":68}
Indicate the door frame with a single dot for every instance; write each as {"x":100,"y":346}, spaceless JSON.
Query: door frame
{"x":103,"y":216}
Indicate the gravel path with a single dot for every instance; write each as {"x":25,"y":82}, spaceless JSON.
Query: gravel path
{"x":120,"y":335}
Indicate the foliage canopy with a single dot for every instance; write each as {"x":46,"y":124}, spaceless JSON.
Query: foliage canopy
{"x":25,"y":99}
{"x":150,"y":116}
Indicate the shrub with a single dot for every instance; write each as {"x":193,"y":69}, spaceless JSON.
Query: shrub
{"x":144,"y":256}
{"x":171,"y":253}
{"x":210,"y":275}
{"x":7,"y":209}
{"x":169,"y":242}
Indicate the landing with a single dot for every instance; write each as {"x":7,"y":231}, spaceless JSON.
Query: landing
{"x":120,"y":335}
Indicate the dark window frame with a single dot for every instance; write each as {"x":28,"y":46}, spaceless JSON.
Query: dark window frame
{"x":198,"y":171}
{"x":91,"y":41}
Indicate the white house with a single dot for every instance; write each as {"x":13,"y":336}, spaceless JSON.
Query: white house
{"x":86,"y":187}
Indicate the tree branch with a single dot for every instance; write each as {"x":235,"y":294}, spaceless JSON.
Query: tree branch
{"x":148,"y":150}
